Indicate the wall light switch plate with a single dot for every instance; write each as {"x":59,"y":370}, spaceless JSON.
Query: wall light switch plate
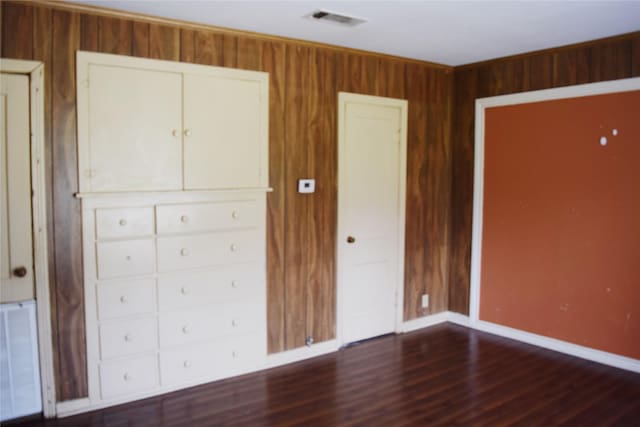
{"x":425,"y":300}
{"x":306,"y":186}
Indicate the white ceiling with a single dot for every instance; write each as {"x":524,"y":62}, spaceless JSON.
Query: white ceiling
{"x":447,"y":32}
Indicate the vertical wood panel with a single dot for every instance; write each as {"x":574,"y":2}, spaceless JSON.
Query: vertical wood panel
{"x":114,"y":35}
{"x":140,"y":40}
{"x":249,"y":53}
{"x":89,"y":33}
{"x":274,"y":62}
{"x":164,"y":42}
{"x":230,"y":51}
{"x":187,"y":45}
{"x":72,"y":377}
{"x":209,"y":48}
{"x":322,"y":212}
{"x":417,"y":182}
{"x":17,"y":30}
{"x":296,"y":205}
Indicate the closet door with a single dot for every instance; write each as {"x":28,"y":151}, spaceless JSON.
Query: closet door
{"x":224,"y":122}
{"x":134,"y":130}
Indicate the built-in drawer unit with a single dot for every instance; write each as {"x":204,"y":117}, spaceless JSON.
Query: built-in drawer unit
{"x":128,"y":376}
{"x":207,"y":216}
{"x":116,"y":223}
{"x":203,"y":250}
{"x":128,"y":336}
{"x":183,"y":327}
{"x":125,"y":298}
{"x":182,"y":290}
{"x":125,"y":258}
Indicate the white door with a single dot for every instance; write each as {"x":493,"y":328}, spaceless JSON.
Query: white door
{"x":16,"y":264}
{"x":223,"y":120}
{"x":371,"y":194}
{"x":135,"y":130}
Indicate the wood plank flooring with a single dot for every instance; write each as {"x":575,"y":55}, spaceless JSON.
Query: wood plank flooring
{"x":443,"y":375}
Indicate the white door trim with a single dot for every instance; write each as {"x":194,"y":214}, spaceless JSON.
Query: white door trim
{"x":35,"y":71}
{"x":403,"y":105}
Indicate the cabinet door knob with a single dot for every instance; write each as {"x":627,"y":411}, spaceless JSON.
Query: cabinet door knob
{"x":187,"y":132}
{"x":20,"y":271}
{"x":234,"y":247}
{"x":351,"y":239}
{"x":175,"y":133}
{"x":128,"y":338}
{"x":184,"y":290}
{"x":128,"y":257}
{"x":187,"y":364}
{"x":235,"y":322}
{"x":234,"y":284}
{"x":123,"y":299}
{"x":184,"y":219}
{"x":235,"y":354}
{"x":185,"y":329}
{"x":127,"y":376}
{"x":122,"y":222}
{"x":184,"y":252}
{"x":235,"y":214}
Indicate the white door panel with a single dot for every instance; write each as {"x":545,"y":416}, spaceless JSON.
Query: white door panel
{"x":371,"y":182}
{"x":222,"y":132}
{"x":16,"y":264}
{"x":135,"y":129}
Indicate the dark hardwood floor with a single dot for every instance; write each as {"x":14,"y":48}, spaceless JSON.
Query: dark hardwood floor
{"x":443,"y":375}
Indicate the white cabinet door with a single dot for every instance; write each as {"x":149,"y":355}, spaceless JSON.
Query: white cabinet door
{"x":224,"y":127}
{"x":134,"y":130}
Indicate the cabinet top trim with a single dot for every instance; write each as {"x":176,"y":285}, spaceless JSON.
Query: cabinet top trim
{"x":85,"y":59}
{"x":191,"y":193}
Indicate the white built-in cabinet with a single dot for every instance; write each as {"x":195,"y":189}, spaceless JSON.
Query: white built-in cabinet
{"x":149,"y":125}
{"x":173,"y":179}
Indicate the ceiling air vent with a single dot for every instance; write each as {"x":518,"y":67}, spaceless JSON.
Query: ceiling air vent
{"x":335,"y":18}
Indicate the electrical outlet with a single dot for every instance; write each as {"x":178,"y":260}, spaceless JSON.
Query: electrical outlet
{"x":425,"y":300}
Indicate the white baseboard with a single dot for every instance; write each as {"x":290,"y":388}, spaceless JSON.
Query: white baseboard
{"x":599,"y":356}
{"x":423,"y":322}
{"x":298,"y":354}
{"x":70,"y":407}
{"x":458,"y":319}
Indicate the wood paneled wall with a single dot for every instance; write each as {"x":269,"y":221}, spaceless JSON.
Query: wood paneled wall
{"x":596,"y":61}
{"x":304,"y":82}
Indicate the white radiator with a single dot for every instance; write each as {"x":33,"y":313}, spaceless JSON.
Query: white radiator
{"x":19,"y":369}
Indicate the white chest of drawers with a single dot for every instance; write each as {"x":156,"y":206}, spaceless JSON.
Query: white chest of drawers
{"x":174,"y":288}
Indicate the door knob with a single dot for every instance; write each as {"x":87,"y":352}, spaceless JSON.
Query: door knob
{"x":351,"y":239}
{"x":20,"y":271}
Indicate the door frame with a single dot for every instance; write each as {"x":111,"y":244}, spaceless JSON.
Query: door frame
{"x":35,"y":71}
{"x":345,"y":98}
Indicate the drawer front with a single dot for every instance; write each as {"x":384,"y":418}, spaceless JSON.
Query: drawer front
{"x":217,"y":359}
{"x":178,"y":291}
{"x":126,"y":337}
{"x":184,"y":327}
{"x":128,"y":376}
{"x":118,"y":299}
{"x":125,"y":258}
{"x":124,"y":222}
{"x":207,"y":216}
{"x":185,"y":252}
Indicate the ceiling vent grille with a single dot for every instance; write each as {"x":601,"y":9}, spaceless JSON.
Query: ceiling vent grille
{"x":335,"y":18}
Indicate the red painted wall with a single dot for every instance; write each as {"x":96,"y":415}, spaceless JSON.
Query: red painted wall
{"x":561,"y":221}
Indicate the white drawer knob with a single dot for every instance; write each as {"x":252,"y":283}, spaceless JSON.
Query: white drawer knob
{"x":235,"y":214}
{"x":234,"y":284}
{"x":123,"y":299}
{"x":187,"y":132}
{"x":184,"y":219}
{"x":234,"y":248}
{"x":184,"y":252}
{"x":128,"y":257}
{"x":128,"y":337}
{"x":185,"y":329}
{"x":235,"y":354}
{"x":127,"y":377}
{"x":235,"y":322}
{"x":184,"y":290}
{"x":175,"y":132}
{"x":186,"y":364}
{"x":122,"y":222}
